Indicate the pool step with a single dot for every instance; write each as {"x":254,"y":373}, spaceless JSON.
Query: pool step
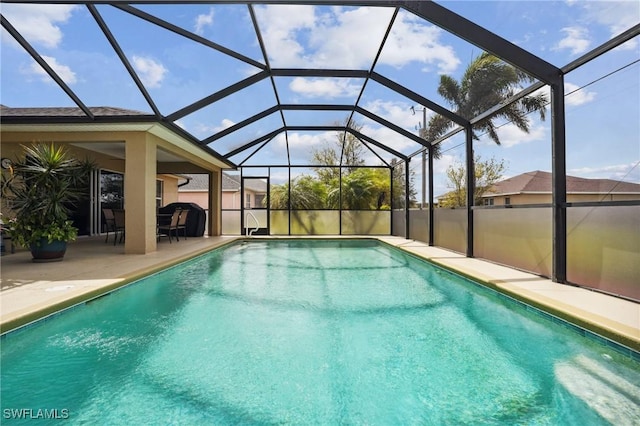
{"x":612,"y":396}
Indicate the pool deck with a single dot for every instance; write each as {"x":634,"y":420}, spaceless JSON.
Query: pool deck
{"x":31,"y":291}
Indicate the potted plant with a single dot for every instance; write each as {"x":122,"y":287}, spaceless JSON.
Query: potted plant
{"x":40,"y":191}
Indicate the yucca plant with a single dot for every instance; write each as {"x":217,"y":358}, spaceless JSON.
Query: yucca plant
{"x":41,"y":191}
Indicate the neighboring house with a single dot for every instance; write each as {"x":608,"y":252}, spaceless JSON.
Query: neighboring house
{"x":535,"y":188}
{"x":196,"y":191}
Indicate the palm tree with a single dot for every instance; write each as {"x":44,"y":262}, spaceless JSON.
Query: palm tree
{"x":307,"y":193}
{"x":487,"y":82}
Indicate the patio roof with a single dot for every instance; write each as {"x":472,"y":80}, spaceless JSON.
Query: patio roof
{"x":263,"y":99}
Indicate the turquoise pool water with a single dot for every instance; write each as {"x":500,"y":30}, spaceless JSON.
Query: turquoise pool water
{"x":312,"y":332}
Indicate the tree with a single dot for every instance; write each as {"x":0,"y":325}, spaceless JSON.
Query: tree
{"x":345,"y":149}
{"x":487,"y":173}
{"x":307,"y":193}
{"x":487,"y":82}
{"x":399,"y":185}
{"x":363,"y":189}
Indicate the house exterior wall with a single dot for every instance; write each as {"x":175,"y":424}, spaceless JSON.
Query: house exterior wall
{"x":519,"y":199}
{"x":231,"y":200}
{"x":200,"y":198}
{"x":169,"y":189}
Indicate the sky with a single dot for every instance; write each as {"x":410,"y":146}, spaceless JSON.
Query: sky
{"x":602,"y":97}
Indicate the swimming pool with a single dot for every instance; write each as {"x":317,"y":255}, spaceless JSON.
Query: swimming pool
{"x":321,"y":332}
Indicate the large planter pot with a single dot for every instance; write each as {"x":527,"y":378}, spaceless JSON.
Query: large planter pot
{"x":48,"y":251}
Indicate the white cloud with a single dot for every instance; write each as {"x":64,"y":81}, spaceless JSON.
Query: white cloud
{"x":511,"y":136}
{"x":390,"y":138}
{"x":63,"y":71}
{"x":576,"y":39}
{"x":151,"y":72}
{"x":627,"y":172}
{"x":39,"y":24}
{"x":324,"y":87}
{"x":578,"y":97}
{"x":398,"y":113}
{"x":617,"y":16}
{"x":204,"y":129}
{"x":349,"y":38}
{"x":280,"y":31}
{"x":412,"y":40}
{"x":304,"y":141}
{"x":301,"y":145}
{"x":203,"y":21}
{"x":444,"y":162}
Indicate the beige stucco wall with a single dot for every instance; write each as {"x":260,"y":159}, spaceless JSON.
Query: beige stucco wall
{"x":169,"y":188}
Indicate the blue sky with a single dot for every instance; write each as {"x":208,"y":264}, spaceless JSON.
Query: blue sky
{"x":603,"y":115}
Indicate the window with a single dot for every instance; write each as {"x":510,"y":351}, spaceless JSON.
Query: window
{"x":159,"y":192}
{"x":507,"y":201}
{"x":247,"y":202}
{"x":111,"y":190}
{"x":259,"y":199}
{"x":488,"y":201}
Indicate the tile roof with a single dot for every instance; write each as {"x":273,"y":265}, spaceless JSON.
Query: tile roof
{"x":199,"y":182}
{"x":230,"y":182}
{"x":66,"y":112}
{"x":540,"y":182}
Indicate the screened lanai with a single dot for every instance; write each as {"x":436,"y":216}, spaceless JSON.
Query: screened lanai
{"x":341,"y":110}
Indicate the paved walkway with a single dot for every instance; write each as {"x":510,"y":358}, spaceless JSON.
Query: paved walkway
{"x":30,"y":291}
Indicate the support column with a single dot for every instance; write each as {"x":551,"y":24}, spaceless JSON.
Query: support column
{"x":471,"y":187}
{"x":559,"y":182}
{"x":431,"y":209}
{"x":406,"y":198}
{"x":139,"y":193}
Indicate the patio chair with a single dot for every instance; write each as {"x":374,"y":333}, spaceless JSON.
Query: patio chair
{"x":118,"y":219}
{"x":167,"y":229}
{"x":109,"y":221}
{"x":182,"y":224}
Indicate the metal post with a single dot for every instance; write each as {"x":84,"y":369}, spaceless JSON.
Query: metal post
{"x":424,"y":182}
{"x":471,"y":185}
{"x":423,"y":131}
{"x":340,"y":200}
{"x":406,"y":198}
{"x":289,"y":199}
{"x":559,"y":182}
{"x":431,"y":209}
{"x":241,"y":201}
{"x":391,"y":196}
